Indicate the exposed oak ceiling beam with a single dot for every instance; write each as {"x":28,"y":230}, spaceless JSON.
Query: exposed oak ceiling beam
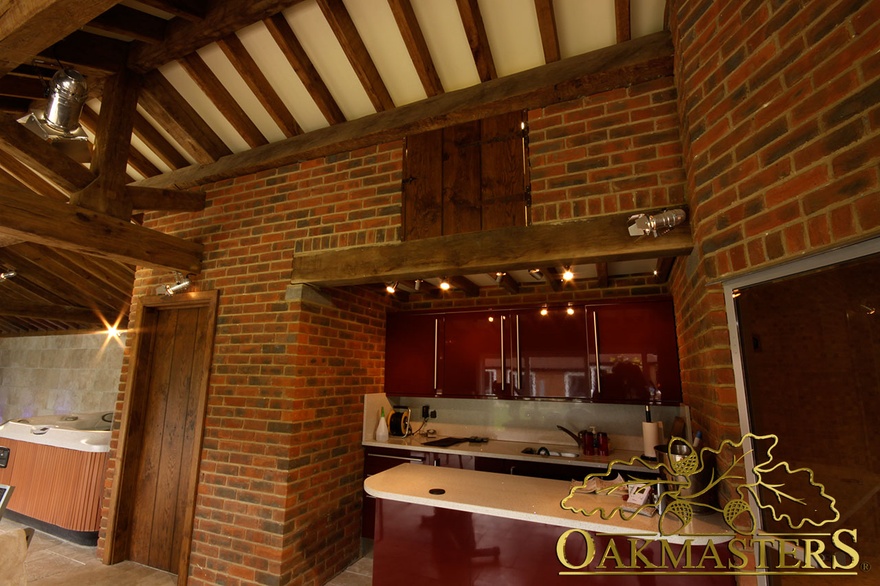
{"x":280,"y":30}
{"x":206,"y":79}
{"x":128,"y":22}
{"x":191,"y":10}
{"x":38,"y":219}
{"x":250,"y":72}
{"x":589,"y":240}
{"x":63,"y":313}
{"x":622,"y":20}
{"x":28,"y":27}
{"x":222,"y":18}
{"x":20,"y":142}
{"x":548,"y":30}
{"x":347,"y":34}
{"x":621,"y":65}
{"x":478,"y":40}
{"x":416,"y":46}
{"x":180,"y":120}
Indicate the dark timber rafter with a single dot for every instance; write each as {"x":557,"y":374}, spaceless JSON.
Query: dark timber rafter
{"x":346,"y":33}
{"x":639,"y":60}
{"x":547,"y":26}
{"x":41,"y":220}
{"x":29,"y":27}
{"x":416,"y":46}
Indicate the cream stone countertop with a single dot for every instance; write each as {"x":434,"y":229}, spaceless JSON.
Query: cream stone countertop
{"x":535,"y":500}
{"x":510,"y":450}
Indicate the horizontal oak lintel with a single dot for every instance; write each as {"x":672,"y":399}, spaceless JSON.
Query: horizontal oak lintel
{"x":583,"y":241}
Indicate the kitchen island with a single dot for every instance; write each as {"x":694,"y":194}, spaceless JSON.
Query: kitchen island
{"x":448,"y":526}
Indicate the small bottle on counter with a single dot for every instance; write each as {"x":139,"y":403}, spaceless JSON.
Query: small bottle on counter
{"x":382,"y":428}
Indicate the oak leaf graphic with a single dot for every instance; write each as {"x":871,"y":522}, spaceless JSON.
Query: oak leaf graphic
{"x":682,"y":502}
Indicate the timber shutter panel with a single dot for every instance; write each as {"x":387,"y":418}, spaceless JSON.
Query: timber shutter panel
{"x":466,"y":178}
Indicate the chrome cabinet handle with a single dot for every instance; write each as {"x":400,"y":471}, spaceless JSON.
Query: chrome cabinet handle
{"x":502,"y":353}
{"x":436,"y":332}
{"x":596,"y":343}
{"x":518,"y":371}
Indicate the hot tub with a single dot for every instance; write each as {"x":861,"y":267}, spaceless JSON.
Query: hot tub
{"x":57,"y":465}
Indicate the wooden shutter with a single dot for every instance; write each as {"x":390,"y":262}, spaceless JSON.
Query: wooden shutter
{"x":465,"y":178}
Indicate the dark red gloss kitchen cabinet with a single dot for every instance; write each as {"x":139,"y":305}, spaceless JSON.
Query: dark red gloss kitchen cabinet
{"x":476,"y":355}
{"x":552,"y":353}
{"x":378,"y":460}
{"x":413,"y":351}
{"x":633,"y":348}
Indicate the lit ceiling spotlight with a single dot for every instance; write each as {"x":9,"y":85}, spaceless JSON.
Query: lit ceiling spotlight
{"x":536,"y":274}
{"x":391,"y":287}
{"x":656,"y":272}
{"x":6,"y":275}
{"x":544,"y":310}
{"x":499,"y":276}
{"x":180,"y":284}
{"x":444,"y":284}
{"x":567,"y":275}
{"x":569,"y":310}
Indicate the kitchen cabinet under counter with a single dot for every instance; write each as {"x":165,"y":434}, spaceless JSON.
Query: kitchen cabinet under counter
{"x":445,"y":526}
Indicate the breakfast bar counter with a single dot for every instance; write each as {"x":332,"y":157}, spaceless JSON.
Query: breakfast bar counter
{"x":446,"y":526}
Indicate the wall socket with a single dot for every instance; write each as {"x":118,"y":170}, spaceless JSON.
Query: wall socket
{"x":427,"y":413}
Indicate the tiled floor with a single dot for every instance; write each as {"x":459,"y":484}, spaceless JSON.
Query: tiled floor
{"x":55,"y":562}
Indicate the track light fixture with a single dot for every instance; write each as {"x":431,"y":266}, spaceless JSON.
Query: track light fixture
{"x":567,"y":275}
{"x":444,"y":284}
{"x":644,"y":224}
{"x":391,"y":287}
{"x":536,"y":274}
{"x":544,"y":310}
{"x":6,"y":274}
{"x":181,"y":283}
{"x":569,"y":310}
{"x":418,"y":284}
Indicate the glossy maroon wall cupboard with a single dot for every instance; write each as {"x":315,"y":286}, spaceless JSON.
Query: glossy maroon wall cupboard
{"x":617,"y":352}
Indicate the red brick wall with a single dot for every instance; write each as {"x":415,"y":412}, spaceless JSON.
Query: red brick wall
{"x":781,"y":134}
{"x":281,"y":469}
{"x":280,"y":479}
{"x":608,"y":153}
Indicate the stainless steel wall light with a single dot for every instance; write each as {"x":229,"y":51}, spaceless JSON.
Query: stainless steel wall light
{"x":181,"y":283}
{"x":657,"y":224}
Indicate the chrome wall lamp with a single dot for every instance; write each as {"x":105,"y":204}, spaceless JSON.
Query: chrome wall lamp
{"x":656,"y":224}
{"x":181,"y":284}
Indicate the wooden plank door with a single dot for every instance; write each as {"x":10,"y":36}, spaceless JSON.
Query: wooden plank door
{"x":157,"y":518}
{"x":162,"y":432}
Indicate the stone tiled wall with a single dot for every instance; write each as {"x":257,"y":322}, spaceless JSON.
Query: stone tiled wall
{"x":46,"y":375}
